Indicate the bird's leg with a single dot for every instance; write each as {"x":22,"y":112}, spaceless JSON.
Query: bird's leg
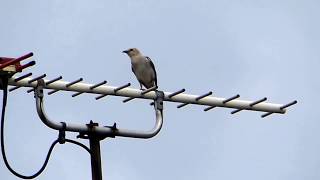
{"x":141,"y":87}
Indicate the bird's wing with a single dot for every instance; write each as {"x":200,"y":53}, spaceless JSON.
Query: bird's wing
{"x":154,"y":69}
{"x":133,"y":71}
{"x":137,"y":77}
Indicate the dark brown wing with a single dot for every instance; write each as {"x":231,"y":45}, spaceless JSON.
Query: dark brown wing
{"x":154,"y":69}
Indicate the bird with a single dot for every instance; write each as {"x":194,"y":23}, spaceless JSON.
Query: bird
{"x":143,"y":68}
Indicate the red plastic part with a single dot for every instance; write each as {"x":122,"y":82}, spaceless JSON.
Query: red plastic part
{"x":5,"y":62}
{"x":11,"y":61}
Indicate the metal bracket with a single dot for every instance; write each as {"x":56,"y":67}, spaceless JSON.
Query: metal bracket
{"x":159,"y":100}
{"x":62,"y":133}
{"x":38,"y":93}
{"x":98,"y":130}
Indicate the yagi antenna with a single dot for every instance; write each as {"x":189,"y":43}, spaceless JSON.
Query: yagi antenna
{"x":102,"y":90}
{"x":95,"y":133}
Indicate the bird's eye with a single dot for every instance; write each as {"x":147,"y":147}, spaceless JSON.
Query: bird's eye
{"x":130,"y":49}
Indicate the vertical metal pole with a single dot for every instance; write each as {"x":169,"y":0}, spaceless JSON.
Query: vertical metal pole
{"x":95,"y":157}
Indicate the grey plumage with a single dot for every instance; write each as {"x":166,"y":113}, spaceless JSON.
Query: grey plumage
{"x":143,"y":68}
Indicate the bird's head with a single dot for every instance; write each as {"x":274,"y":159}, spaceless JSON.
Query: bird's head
{"x":132,"y":52}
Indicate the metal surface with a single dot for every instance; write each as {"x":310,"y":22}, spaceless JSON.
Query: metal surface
{"x":182,"y":105}
{"x":236,"y":111}
{"x":136,"y":93}
{"x":258,"y":101}
{"x":22,"y":77}
{"x":97,"y":85}
{"x":230,"y":99}
{"x":20,"y":68}
{"x":281,"y":108}
{"x":102,"y":131}
{"x":142,"y":93}
{"x":176,"y":93}
{"x":54,"y":91}
{"x":289,"y":104}
{"x":14,"y":88}
{"x":101,"y":96}
{"x":96,"y":133}
{"x":209,"y":108}
{"x":266,"y":114}
{"x":37,"y":78}
{"x":74,"y":82}
{"x":121,"y":87}
{"x":128,"y":99}
{"x":95,"y":155}
{"x":149,"y":90}
{"x":203,"y":96}
{"x":30,"y":90}
{"x":53,"y":80}
{"x":76,"y":94}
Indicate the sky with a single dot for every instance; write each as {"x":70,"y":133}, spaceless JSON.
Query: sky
{"x":255,"y":48}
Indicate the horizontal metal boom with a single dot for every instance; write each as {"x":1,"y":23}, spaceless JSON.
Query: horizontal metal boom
{"x":136,"y":93}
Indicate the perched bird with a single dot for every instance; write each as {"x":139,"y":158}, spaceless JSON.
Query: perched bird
{"x":143,"y":68}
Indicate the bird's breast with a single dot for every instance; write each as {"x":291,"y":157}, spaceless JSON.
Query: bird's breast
{"x":143,"y":71}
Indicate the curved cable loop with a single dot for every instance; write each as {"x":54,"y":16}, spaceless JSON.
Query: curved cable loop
{"x":44,"y":165}
{"x":5,"y":95}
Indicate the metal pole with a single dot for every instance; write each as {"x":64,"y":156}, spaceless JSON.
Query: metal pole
{"x":95,"y":157}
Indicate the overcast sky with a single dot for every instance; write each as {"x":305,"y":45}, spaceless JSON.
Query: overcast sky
{"x":255,"y":48}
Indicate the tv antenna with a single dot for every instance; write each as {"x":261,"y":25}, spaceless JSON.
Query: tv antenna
{"x":95,"y":133}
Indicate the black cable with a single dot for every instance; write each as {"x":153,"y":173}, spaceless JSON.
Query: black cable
{"x":5,"y":96}
{"x":79,"y":144}
{"x":4,"y":104}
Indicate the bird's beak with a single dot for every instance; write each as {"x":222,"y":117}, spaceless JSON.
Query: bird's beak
{"x":125,"y":51}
